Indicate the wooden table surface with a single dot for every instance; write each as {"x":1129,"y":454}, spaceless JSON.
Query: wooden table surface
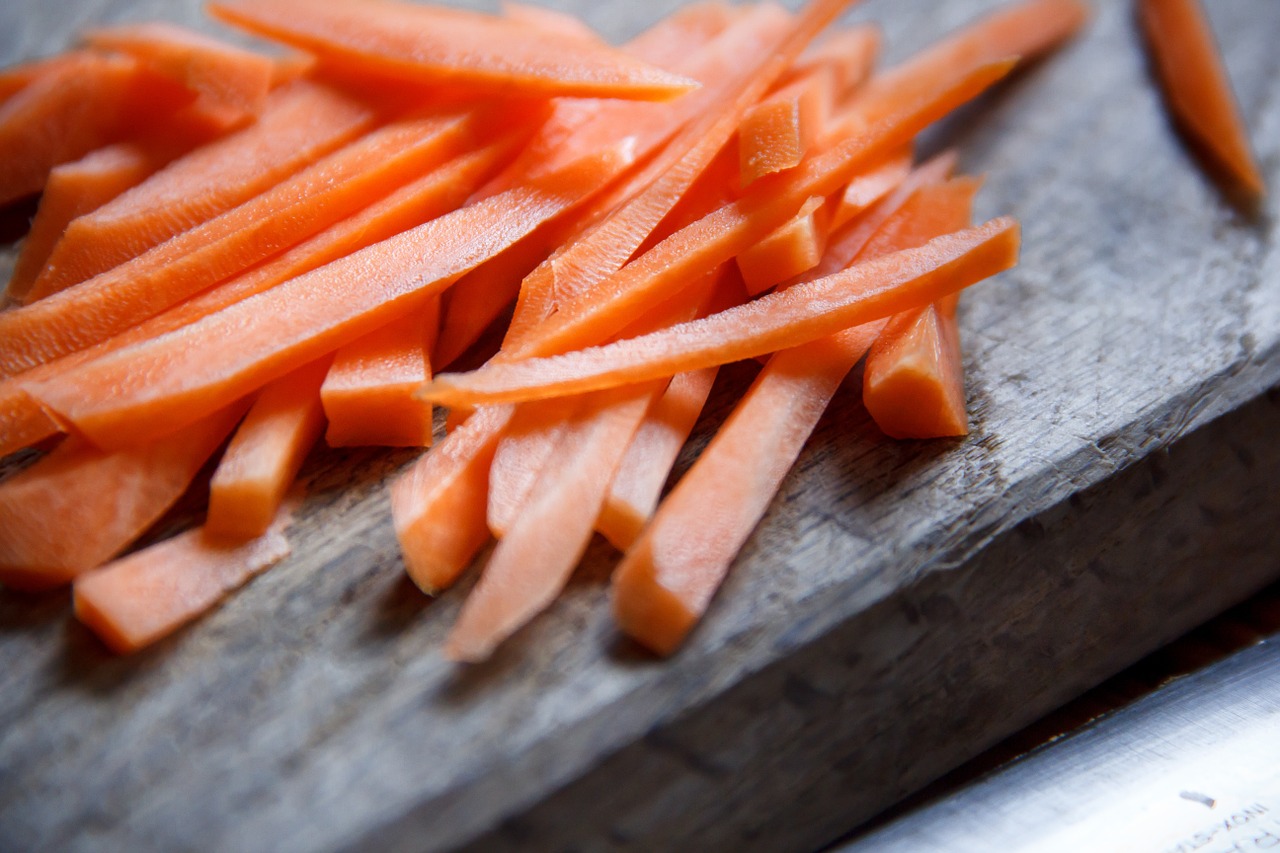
{"x":901,"y":607}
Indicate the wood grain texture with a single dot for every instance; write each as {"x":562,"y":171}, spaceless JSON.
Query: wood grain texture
{"x":902,"y":606}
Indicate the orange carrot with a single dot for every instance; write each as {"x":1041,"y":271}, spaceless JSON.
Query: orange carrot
{"x":533,"y":561}
{"x":265,"y":454}
{"x":654,"y":276}
{"x":18,"y":77}
{"x":368,"y":395}
{"x":851,"y":53}
{"x":301,"y":123}
{"x":434,"y":45}
{"x":439,"y":504}
{"x":223,"y":75}
{"x":667,"y":579}
{"x":526,"y":446}
{"x":1197,"y":88}
{"x":791,"y":249}
{"x":871,"y":186}
{"x":549,"y":20}
{"x":168,"y":381}
{"x":293,"y":210}
{"x":108,"y":498}
{"x":146,"y":596}
{"x":74,"y":189}
{"x":634,"y":490}
{"x":913,"y":384}
{"x":865,"y":292}
{"x":777,"y":132}
{"x":22,"y":419}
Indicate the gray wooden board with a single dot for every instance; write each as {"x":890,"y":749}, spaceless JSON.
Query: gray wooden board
{"x":901,"y":607}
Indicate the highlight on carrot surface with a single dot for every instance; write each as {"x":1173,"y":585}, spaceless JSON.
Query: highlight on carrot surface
{"x":306,"y":237}
{"x":1197,"y":90}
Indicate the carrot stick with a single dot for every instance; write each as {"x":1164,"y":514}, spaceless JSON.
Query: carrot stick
{"x":315,"y":198}
{"x":635,"y":488}
{"x":162,"y":383}
{"x":301,"y":123}
{"x":1197,"y":89}
{"x":789,"y":250}
{"x":223,"y":75}
{"x":865,"y":292}
{"x":266,"y":454}
{"x":108,"y":498}
{"x":368,"y":395}
{"x":913,"y":383}
{"x":870,"y":187}
{"x":777,"y":132}
{"x":146,"y":596}
{"x":533,"y":561}
{"x":23,"y":421}
{"x":667,"y":579}
{"x":659,"y":273}
{"x":850,"y":52}
{"x":74,"y":189}
{"x":549,"y":20}
{"x":15,"y":78}
{"x":452,"y":47}
{"x":526,"y":446}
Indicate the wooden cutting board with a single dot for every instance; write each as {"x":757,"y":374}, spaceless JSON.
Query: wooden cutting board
{"x":902,"y":606}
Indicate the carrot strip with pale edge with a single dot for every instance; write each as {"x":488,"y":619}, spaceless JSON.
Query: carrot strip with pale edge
{"x":146,"y":596}
{"x":1197,"y":88}
{"x":161,"y":384}
{"x":526,"y":446}
{"x":265,"y":454}
{"x":667,"y":579}
{"x":453,"y":47}
{"x":108,"y":498}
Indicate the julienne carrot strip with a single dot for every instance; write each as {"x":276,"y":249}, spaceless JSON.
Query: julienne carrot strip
{"x":301,"y":123}
{"x":23,"y":421}
{"x":293,"y":210}
{"x":913,"y":382}
{"x":851,"y":53}
{"x":139,"y":599}
{"x":870,"y":187}
{"x":74,"y":189}
{"x":265,"y":454}
{"x":777,"y":132}
{"x":780,"y":320}
{"x":635,"y":488}
{"x":18,"y":77}
{"x":665,"y":582}
{"x":368,"y":394}
{"x":612,"y":242}
{"x":108,"y":498}
{"x":1197,"y":88}
{"x":721,"y":235}
{"x":161,"y":384}
{"x":533,"y":561}
{"x":221,"y":74}
{"x":548,"y":20}
{"x":527,"y":444}
{"x":791,"y":249}
{"x":421,"y":44}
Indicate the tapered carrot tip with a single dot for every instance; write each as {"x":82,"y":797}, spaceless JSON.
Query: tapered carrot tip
{"x":644,"y":609}
{"x":1198,"y":91}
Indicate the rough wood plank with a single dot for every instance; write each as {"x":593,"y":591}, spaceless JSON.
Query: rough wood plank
{"x":1121,"y":455}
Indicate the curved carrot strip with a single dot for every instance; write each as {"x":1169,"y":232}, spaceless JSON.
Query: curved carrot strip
{"x":108,"y":498}
{"x":1197,"y":88}
{"x":142,"y":598}
{"x":301,"y":123}
{"x":160,"y":384}
{"x":265,"y":455}
{"x":804,"y":312}
{"x":221,"y":74}
{"x":662,"y":588}
{"x":23,"y":421}
{"x":451,"y":46}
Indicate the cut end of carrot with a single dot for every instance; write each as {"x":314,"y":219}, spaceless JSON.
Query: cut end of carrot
{"x":645,"y":610}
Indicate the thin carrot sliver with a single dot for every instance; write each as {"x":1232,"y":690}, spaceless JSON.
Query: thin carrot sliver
{"x":265,"y":454}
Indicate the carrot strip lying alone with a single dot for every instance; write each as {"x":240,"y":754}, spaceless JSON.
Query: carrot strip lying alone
{"x":453,"y":47}
{"x":74,"y":189}
{"x":667,"y":580}
{"x":161,"y":384}
{"x":223,"y":75}
{"x":635,"y":488}
{"x":301,"y":123}
{"x":265,"y":454}
{"x":293,"y":210}
{"x":368,"y":394}
{"x":533,"y":561}
{"x":23,"y":421}
{"x":802,"y":313}
{"x":79,"y":506}
{"x":1197,"y":88}
{"x":146,"y":596}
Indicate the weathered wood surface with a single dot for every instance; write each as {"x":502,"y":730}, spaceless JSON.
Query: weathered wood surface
{"x":901,"y":607}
